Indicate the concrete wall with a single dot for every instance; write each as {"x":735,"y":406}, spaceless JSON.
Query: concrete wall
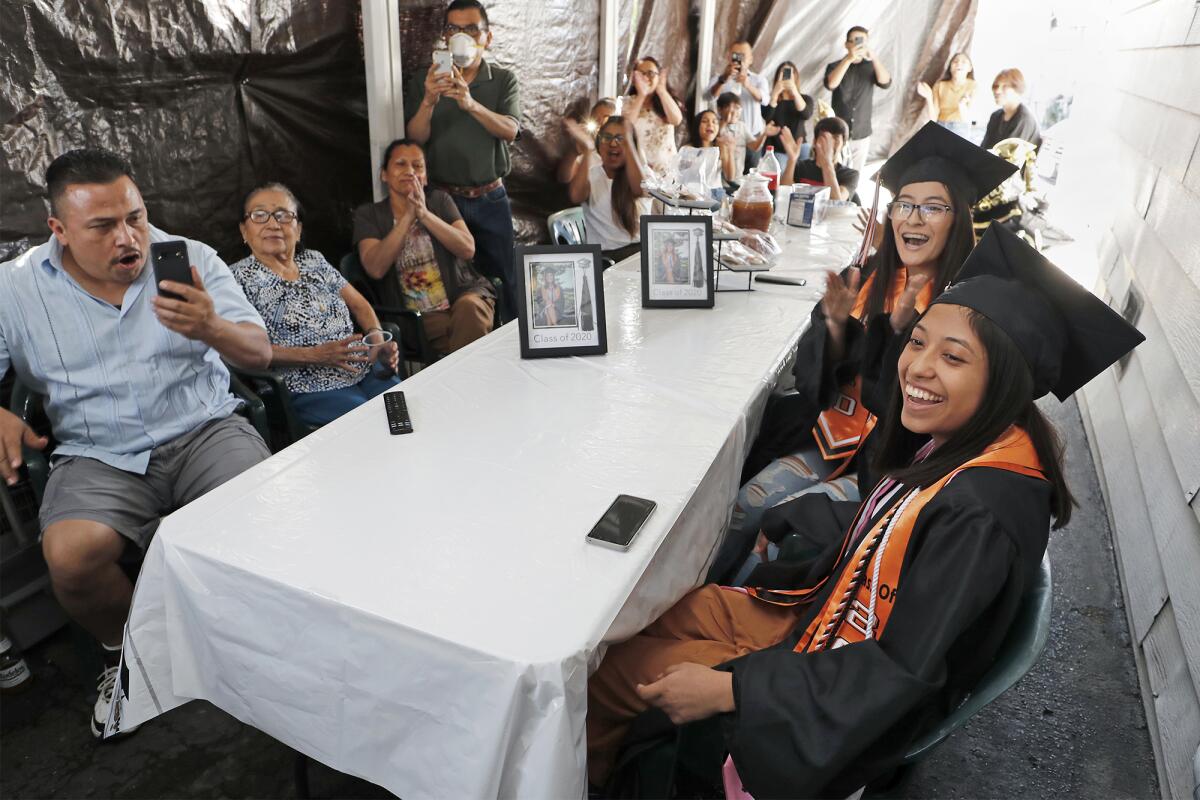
{"x":1133,"y":175}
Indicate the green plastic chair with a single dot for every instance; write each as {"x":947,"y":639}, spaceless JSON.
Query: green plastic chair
{"x":566,"y":226}
{"x":1017,"y":655}
{"x":1020,"y":651}
{"x":654,"y":767}
{"x":28,"y":405}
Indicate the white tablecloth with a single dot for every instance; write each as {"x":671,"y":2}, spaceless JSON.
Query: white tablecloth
{"x":423,"y":610}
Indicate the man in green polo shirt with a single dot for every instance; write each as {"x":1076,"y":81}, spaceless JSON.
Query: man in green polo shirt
{"x":467,"y":118}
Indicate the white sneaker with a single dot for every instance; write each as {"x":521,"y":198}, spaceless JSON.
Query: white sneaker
{"x":107,"y":686}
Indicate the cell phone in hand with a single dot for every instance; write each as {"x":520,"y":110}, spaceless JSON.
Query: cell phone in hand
{"x":621,"y":522}
{"x":736,"y":58}
{"x":787,"y":73}
{"x":170,"y":260}
{"x":444,"y":60}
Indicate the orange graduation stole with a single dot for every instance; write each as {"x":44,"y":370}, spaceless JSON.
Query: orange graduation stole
{"x":862,"y":598}
{"x":842,"y":428}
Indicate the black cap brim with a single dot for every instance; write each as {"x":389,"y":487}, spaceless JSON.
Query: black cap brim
{"x":937,"y":154}
{"x":1067,"y":335}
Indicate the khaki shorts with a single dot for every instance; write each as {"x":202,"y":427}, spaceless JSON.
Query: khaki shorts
{"x":179,"y":471}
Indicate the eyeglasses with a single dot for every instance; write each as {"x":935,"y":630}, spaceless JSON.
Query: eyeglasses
{"x":649,"y":73}
{"x":470,"y":30}
{"x":260,"y":216}
{"x":605,"y":138}
{"x":930,"y":212}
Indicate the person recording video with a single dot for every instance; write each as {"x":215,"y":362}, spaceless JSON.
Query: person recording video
{"x":751,"y":88}
{"x":853,"y":79}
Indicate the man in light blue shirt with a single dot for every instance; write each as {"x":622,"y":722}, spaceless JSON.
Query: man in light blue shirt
{"x":136,"y":391}
{"x":751,"y":88}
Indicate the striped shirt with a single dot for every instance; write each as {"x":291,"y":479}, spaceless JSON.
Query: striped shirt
{"x":117,"y":382}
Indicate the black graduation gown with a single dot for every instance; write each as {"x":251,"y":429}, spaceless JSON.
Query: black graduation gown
{"x":788,"y":419}
{"x":824,"y":724}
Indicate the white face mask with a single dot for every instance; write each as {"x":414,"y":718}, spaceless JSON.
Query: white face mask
{"x":463,"y":48}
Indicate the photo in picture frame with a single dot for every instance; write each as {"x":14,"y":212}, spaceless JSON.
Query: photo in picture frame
{"x":677,"y":262}
{"x":561,"y":294}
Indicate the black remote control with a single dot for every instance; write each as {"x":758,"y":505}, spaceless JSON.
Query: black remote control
{"x":761,"y":278}
{"x":397,"y":413}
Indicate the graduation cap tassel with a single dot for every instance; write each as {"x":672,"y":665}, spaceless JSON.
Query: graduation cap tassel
{"x":864,"y":249}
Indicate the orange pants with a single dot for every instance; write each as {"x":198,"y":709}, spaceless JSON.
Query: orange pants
{"x":709,"y":626}
{"x":469,"y":318}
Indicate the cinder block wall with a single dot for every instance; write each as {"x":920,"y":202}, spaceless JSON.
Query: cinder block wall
{"x":1134,"y":174}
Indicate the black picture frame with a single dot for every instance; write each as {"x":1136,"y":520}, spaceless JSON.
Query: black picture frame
{"x":700,"y":237}
{"x":580,"y":320}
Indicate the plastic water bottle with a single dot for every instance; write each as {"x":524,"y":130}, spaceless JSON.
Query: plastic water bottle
{"x":14,"y":672}
{"x":768,"y":167}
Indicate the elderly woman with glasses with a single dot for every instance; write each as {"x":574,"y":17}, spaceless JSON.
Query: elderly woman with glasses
{"x":310,"y":312}
{"x":654,"y":114}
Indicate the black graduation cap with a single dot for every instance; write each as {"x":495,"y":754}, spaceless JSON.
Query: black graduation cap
{"x":1067,"y":335}
{"x":937,"y":154}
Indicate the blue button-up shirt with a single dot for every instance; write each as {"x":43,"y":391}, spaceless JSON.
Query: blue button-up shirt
{"x":118,"y":383}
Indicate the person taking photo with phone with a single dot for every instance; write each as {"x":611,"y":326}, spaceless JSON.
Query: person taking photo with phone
{"x":135,"y":386}
{"x":751,"y":88}
{"x":467,"y":120}
{"x":786,"y":108}
{"x":853,"y":80}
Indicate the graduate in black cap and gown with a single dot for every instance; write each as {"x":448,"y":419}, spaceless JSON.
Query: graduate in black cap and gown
{"x":810,"y":437}
{"x":814,"y":682}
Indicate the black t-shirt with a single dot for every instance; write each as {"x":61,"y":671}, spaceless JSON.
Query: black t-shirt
{"x":786,"y":115}
{"x":853,"y":96}
{"x":1022,"y":126}
{"x":809,"y":172}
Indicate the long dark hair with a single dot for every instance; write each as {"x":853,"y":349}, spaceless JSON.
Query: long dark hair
{"x":1007,"y":400}
{"x":950,"y":75}
{"x":624,"y":203}
{"x":694,"y":127}
{"x":779,"y":71}
{"x":655,"y":100}
{"x":886,"y":260}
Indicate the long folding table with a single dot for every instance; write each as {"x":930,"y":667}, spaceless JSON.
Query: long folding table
{"x":423,"y":610}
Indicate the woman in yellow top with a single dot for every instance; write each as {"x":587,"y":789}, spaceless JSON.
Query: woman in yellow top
{"x":949,"y":100}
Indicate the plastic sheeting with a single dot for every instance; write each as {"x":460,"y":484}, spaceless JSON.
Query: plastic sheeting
{"x":553,"y":47}
{"x":205,"y":99}
{"x":915,"y":40}
{"x":208,"y":99}
{"x":423,"y":611}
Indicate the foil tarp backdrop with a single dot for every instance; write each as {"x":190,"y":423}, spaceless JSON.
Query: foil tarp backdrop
{"x":209,"y":99}
{"x":915,"y":39}
{"x":205,"y":99}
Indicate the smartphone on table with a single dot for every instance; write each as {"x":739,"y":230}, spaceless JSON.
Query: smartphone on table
{"x":621,"y":522}
{"x":444,"y":60}
{"x":171,"y":263}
